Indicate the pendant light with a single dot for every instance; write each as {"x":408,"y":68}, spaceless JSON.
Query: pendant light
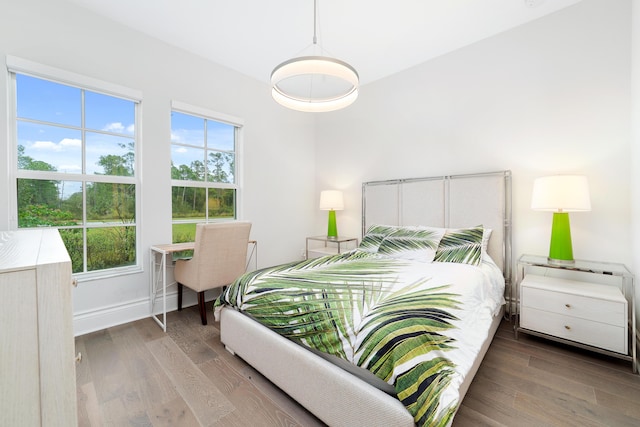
{"x":314,"y":83}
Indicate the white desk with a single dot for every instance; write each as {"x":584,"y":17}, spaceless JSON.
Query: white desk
{"x":158,"y":255}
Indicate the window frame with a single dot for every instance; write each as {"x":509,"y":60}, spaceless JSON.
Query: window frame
{"x":17,"y":65}
{"x":238,"y":124}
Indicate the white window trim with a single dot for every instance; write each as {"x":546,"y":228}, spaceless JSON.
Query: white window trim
{"x":24,"y":66}
{"x":183,"y":107}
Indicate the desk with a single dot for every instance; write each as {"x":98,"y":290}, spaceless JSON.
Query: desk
{"x":158,"y":255}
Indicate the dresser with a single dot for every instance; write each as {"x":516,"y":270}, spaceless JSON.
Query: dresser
{"x":559,"y":303}
{"x":37,"y":366}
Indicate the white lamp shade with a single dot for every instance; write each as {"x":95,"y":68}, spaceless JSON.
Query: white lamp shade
{"x":331,"y":200}
{"x":561,"y":193}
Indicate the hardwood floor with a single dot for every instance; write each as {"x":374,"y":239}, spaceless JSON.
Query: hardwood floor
{"x":136,"y":375}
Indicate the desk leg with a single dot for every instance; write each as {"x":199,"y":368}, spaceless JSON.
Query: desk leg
{"x":156,"y":270}
{"x":164,"y":292}
{"x":634,"y":357}
{"x":152,"y":278}
{"x":252,"y":254}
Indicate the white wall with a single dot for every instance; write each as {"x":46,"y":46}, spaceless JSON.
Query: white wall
{"x":635,"y":141}
{"x":278,"y":143}
{"x":552,"y":96}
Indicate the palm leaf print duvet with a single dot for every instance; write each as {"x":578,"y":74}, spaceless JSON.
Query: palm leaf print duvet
{"x":403,"y":320}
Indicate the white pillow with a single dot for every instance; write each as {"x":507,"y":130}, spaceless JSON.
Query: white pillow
{"x":486,"y":235}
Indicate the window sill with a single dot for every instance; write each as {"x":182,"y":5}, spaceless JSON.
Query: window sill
{"x":107,"y":274}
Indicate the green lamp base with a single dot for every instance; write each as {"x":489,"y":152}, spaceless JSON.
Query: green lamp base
{"x":332,"y":231}
{"x":560,"y":249}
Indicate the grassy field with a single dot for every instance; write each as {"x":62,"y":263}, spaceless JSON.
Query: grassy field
{"x":183,"y":233}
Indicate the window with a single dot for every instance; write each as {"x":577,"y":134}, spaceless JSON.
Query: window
{"x":76,"y":169}
{"x":204,"y":169}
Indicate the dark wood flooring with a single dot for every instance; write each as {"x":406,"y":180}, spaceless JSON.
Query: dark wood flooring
{"x":136,"y":375}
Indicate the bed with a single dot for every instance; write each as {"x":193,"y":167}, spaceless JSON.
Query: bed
{"x":436,"y":247}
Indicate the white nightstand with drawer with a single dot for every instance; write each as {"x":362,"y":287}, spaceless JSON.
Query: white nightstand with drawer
{"x":594,"y":316}
{"x":583,"y":312}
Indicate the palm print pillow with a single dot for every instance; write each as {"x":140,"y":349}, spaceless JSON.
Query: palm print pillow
{"x":461,"y":245}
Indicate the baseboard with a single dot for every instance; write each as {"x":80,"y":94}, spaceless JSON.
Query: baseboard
{"x":105,"y":317}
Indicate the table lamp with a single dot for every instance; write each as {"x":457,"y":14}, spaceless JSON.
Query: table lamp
{"x":561,"y":194}
{"x":332,"y":201}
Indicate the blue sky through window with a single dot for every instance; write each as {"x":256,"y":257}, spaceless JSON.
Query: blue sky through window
{"x":50,"y":128}
{"x":60,"y":144}
{"x":189,"y":130}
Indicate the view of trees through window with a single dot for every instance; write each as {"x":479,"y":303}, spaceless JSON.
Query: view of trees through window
{"x":203,"y":172}
{"x":76,"y":170}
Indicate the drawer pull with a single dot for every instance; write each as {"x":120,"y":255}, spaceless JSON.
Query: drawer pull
{"x":568,"y":305}
{"x":74,"y":282}
{"x":567,"y":327}
{"x":78,"y":358}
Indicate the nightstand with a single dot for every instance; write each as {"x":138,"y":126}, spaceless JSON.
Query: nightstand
{"x":587,"y":304}
{"x":322,"y":245}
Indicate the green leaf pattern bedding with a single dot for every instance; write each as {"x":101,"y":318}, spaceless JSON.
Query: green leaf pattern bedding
{"x":400,"y":319}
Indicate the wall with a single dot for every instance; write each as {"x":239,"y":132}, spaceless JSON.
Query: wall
{"x":278,"y":143}
{"x":549,"y":97}
{"x":635,"y":141}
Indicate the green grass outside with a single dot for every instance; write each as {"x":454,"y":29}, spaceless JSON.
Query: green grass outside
{"x":183,"y":233}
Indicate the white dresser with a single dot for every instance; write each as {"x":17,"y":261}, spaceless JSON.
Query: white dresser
{"x":37,"y":366}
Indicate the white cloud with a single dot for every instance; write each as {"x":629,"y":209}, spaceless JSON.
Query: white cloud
{"x":46,"y":145}
{"x":52,"y":146}
{"x":180,"y":150}
{"x":175,"y":137}
{"x":130,"y":128}
{"x":114,"y":127}
{"x":71,"y":142}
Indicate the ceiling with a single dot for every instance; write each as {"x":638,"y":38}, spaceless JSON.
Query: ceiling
{"x":377,"y":37}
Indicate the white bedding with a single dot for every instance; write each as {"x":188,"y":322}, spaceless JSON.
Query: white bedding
{"x":473,"y":327}
{"x":478,"y":291}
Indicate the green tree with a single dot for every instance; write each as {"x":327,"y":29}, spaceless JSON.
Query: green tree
{"x":119,"y":165}
{"x":217,"y":163}
{"x":113,"y":201}
{"x":40,"y":204}
{"x":32,"y":192}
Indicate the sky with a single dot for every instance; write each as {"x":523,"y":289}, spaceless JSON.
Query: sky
{"x":109,"y":123}
{"x":188,"y":138}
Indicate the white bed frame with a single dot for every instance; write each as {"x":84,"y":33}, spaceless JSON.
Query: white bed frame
{"x":334,"y":395}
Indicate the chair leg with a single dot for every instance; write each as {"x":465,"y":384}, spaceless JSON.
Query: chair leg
{"x":179,"y":296}
{"x":203,"y":309}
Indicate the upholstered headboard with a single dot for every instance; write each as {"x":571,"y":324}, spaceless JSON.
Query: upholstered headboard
{"x":452,"y":201}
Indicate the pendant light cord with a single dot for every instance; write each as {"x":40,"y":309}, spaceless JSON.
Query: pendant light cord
{"x":315,"y":9}
{"x":315,"y":43}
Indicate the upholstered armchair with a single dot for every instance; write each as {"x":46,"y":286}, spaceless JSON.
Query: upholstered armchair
{"x":219,"y":257}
